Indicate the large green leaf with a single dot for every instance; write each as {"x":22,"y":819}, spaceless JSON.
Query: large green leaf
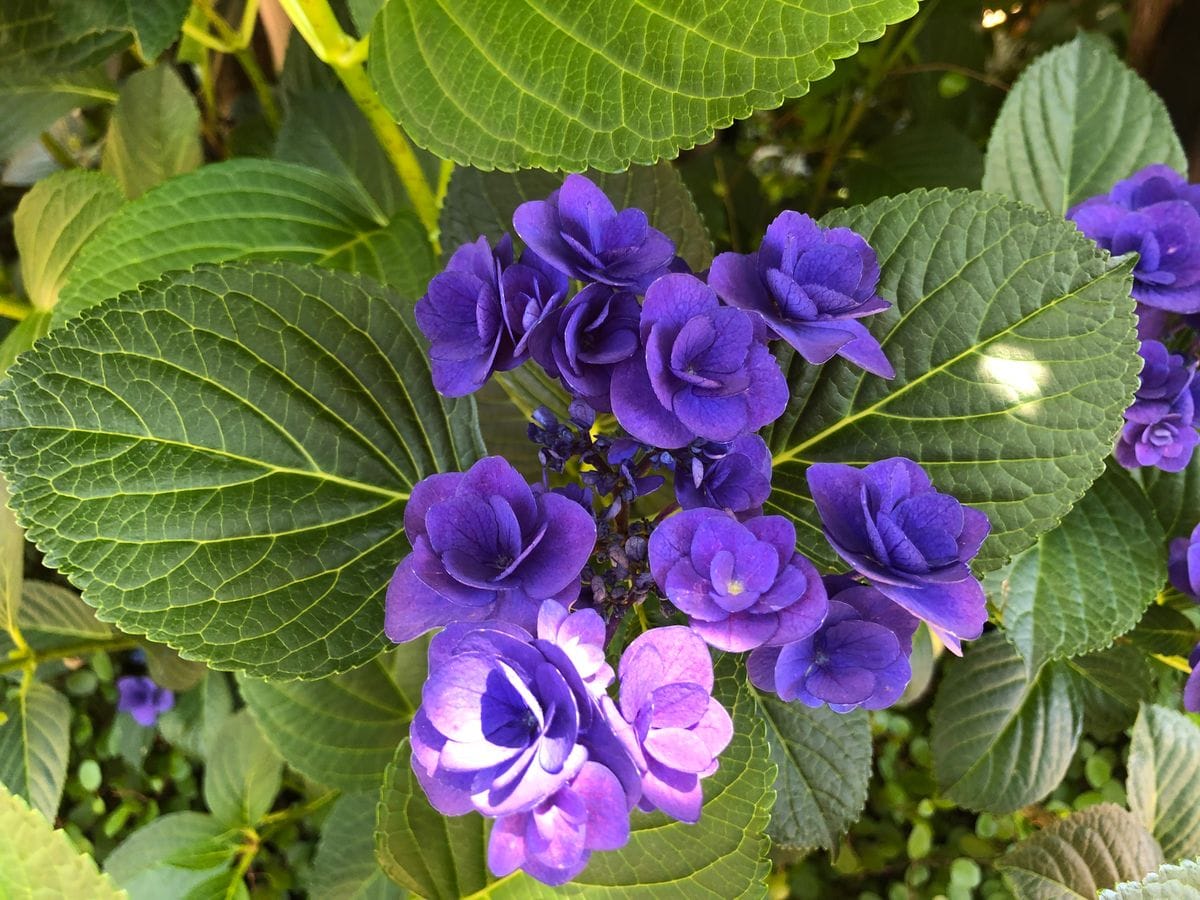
{"x":221,"y":461}
{"x":559,"y":84}
{"x":1014,"y":349}
{"x":1076,"y":121}
{"x":154,"y":24}
{"x":34,"y":744}
{"x":243,"y":773}
{"x":340,"y":731}
{"x":1164,"y":769}
{"x":53,"y":221}
{"x":43,"y":37}
{"x":1088,"y":580}
{"x":154,"y":132}
{"x":824,"y":762}
{"x":439,"y":857}
{"x":12,"y":566}
{"x":37,"y":861}
{"x":923,"y":156}
{"x":171,"y":855}
{"x":483,"y":203}
{"x":1175,"y":496}
{"x":237,"y":209}
{"x":1080,"y":855}
{"x":1169,"y":882}
{"x":345,"y":867}
{"x":1113,"y":683}
{"x":31,"y":101}
{"x":1003,"y":736}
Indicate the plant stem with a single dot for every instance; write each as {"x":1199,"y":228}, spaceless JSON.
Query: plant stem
{"x":238,"y":44}
{"x":315,"y":21}
{"x":83,"y":648}
{"x":12,"y":308}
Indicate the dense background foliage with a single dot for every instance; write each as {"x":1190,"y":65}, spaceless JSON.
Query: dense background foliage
{"x":203,"y":804}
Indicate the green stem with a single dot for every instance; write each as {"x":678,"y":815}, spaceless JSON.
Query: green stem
{"x":12,"y":308}
{"x":293,"y":813}
{"x":315,"y":21}
{"x":21,"y":660}
{"x":238,"y":43}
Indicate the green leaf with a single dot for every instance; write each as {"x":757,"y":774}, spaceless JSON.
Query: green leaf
{"x":1002,"y":736}
{"x":154,"y":132}
{"x":32,"y":101}
{"x":53,"y":221}
{"x":193,"y":724}
{"x":340,"y":731}
{"x":1080,"y":855}
{"x":169,"y":670}
{"x":1015,"y":356}
{"x":42,"y":37}
{"x":723,"y":855}
{"x":34,"y":745}
{"x":171,"y":855}
{"x":1170,"y":882}
{"x":562,"y":85}
{"x":154,"y":24}
{"x":243,"y":773}
{"x":52,"y":610}
{"x":244,"y":208}
{"x":1087,"y":581}
{"x":398,"y":254}
{"x":1164,"y":769}
{"x":1076,"y":121}
{"x":345,"y":867}
{"x":922,"y":156}
{"x":12,"y":565}
{"x":1112,"y":684}
{"x":1166,"y":631}
{"x":433,"y":855}
{"x":1175,"y":496}
{"x":301,"y":394}
{"x":824,"y":762}
{"x":483,"y":203}
{"x":38,"y":861}
{"x":23,"y":335}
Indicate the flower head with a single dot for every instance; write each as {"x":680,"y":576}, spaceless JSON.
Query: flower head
{"x":811,"y":285}
{"x":741,"y":585}
{"x":668,"y":719}
{"x":578,"y":231}
{"x":1191,"y":689}
{"x":732,"y":476}
{"x":859,"y":657}
{"x":480,"y":312}
{"x":909,"y":540}
{"x":1156,"y":214}
{"x":1183,"y":564}
{"x":485,"y":546}
{"x":706,"y":371}
{"x":582,"y":342}
{"x":1160,"y":424}
{"x":139,"y":696}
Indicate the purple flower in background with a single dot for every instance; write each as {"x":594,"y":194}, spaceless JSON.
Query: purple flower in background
{"x":1156,"y":214}
{"x":1183,"y":564}
{"x":143,"y":699}
{"x":1191,"y":689}
{"x":910,"y":541}
{"x":581,"y":343}
{"x":741,"y":585}
{"x":552,"y":841}
{"x":485,"y":546}
{"x":578,"y":231}
{"x":810,"y":284}
{"x":1160,"y":424}
{"x":668,"y":719}
{"x":735,"y":477}
{"x":706,"y":371}
{"x":857,"y":658}
{"x":505,"y":719}
{"x":479,"y":313}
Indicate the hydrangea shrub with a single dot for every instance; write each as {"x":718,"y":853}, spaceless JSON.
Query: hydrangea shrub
{"x":556,"y":548}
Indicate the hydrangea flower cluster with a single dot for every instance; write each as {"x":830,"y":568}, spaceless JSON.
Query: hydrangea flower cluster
{"x":537,"y":587}
{"x":1160,"y":424}
{"x":1183,"y":568}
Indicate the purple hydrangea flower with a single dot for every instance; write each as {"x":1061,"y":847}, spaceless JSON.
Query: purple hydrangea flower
{"x":1160,"y":424}
{"x":810,"y":284}
{"x":578,"y":231}
{"x":480,"y":312}
{"x":735,"y":477}
{"x":1156,"y":214}
{"x":553,"y":841}
{"x":485,"y":546}
{"x":143,"y":699}
{"x":910,"y":541}
{"x":507,"y":721}
{"x":741,"y":585}
{"x":668,"y":719}
{"x":582,"y":342}
{"x":1183,"y":565}
{"x":1191,"y":689}
{"x":859,"y":657}
{"x":706,"y":371}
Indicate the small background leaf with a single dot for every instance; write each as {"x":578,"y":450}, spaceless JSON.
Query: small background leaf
{"x":34,"y":745}
{"x":171,"y":855}
{"x":243,"y":773}
{"x":345,"y":867}
{"x":1164,"y":769}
